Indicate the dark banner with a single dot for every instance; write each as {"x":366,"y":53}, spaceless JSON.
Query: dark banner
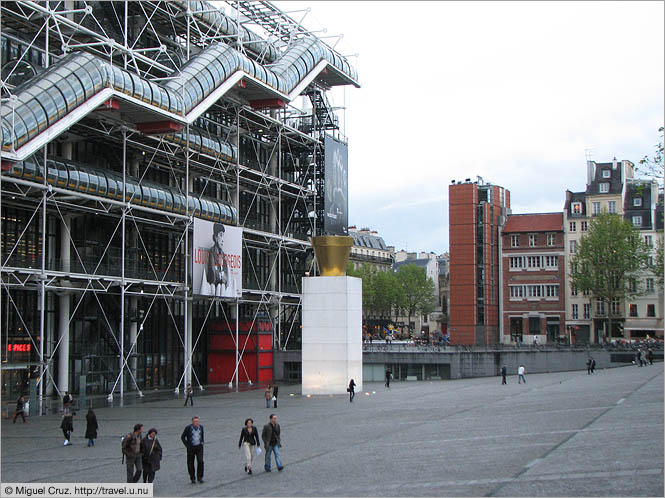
{"x":336,"y":207}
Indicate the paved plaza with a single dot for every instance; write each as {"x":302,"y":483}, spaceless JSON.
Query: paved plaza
{"x":561,"y":434}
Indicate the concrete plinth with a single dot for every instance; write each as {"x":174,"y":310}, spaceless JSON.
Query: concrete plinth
{"x":331,"y":334}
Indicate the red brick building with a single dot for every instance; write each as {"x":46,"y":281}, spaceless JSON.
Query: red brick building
{"x":533,"y":274}
{"x":476,"y":210}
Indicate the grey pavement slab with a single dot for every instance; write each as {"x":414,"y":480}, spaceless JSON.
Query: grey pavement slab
{"x":561,"y":434}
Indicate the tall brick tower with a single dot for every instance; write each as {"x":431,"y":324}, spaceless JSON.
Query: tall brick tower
{"x":476,"y":212}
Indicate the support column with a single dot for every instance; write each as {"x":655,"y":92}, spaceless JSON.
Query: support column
{"x":132,"y":237}
{"x":63,"y":307}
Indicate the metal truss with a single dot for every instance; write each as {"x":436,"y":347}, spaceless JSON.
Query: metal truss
{"x":275,"y":184}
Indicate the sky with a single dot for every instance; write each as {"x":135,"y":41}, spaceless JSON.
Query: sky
{"x":519,"y":93}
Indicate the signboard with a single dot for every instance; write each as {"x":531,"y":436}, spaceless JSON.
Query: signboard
{"x":336,"y":205}
{"x":24,"y":348}
{"x":217,"y":260}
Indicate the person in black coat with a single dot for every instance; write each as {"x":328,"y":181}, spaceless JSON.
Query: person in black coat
{"x":91,"y":427}
{"x":275,"y":390}
{"x":504,"y":371}
{"x":249,"y":439}
{"x":20,"y":409}
{"x":152,"y":455}
{"x":67,"y":426}
{"x":192,"y":438}
{"x":352,"y":390}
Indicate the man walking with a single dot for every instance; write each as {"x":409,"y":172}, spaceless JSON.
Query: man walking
{"x":190,"y":395}
{"x":520,"y":373}
{"x":593,"y":365}
{"x":272,"y":442}
{"x":275,"y":390}
{"x":131,"y":451}
{"x":388,"y":375}
{"x":192,"y":438}
{"x":20,"y":409}
{"x":504,"y":370}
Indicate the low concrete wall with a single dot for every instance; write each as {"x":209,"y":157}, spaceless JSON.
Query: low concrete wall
{"x":486,"y":363}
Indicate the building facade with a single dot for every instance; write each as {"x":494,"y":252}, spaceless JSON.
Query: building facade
{"x":145,"y":121}
{"x":477,"y":210}
{"x":369,"y":248}
{"x":533,"y":278}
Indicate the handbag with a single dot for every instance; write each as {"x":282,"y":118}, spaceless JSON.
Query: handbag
{"x":273,"y":398}
{"x":258,"y":450}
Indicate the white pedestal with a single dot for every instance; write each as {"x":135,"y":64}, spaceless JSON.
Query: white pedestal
{"x":332,"y":350}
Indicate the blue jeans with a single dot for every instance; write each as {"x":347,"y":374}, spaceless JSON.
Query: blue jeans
{"x":278,"y":460}
{"x":520,"y":379}
{"x":268,"y":403}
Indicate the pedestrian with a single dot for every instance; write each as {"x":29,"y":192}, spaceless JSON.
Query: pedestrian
{"x":520,"y":372}
{"x":650,"y":356}
{"x":249,"y":441}
{"x":67,"y":400}
{"x":593,"y":365}
{"x":152,"y":455}
{"x":131,"y":453}
{"x":192,"y":438}
{"x":190,"y":395}
{"x":20,"y":408}
{"x":268,"y":395}
{"x":588,"y":366}
{"x":639,"y":358}
{"x":352,"y":390}
{"x":388,"y":375}
{"x":535,"y":340}
{"x":91,"y":427}
{"x":67,"y":426}
{"x":272,"y":442}
{"x":275,"y":390}
{"x":504,"y":370}
{"x":644,"y":358}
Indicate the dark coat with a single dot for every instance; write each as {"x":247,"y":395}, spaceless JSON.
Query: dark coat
{"x":252,"y":438}
{"x":67,"y":423}
{"x":352,"y":386}
{"x":266,"y":435}
{"x":152,"y":455}
{"x":275,"y":390}
{"x":20,"y":404}
{"x":91,"y":426}
{"x":503,"y":371}
{"x":186,"y":436}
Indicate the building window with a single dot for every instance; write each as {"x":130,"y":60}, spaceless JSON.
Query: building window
{"x":637,"y":221}
{"x":573,"y":291}
{"x":514,"y":241}
{"x":534,"y":261}
{"x":595,"y":208}
{"x":535,"y":290}
{"x":577,"y":208}
{"x":550,"y":239}
{"x":603,"y":188}
{"x":573,"y":246}
{"x":516,"y":262}
{"x":612,"y":207}
{"x":551,"y":261}
{"x":616,"y":310}
{"x":637,"y":201}
{"x":633,"y":310}
{"x":649,"y":284}
{"x":575,"y":315}
{"x":516,"y":292}
{"x":587,"y":311}
{"x":650,"y":261}
{"x":532,"y":241}
{"x":600,"y":307}
{"x":648,"y":240}
{"x":606,"y":173}
{"x":583,"y":226}
{"x":534,"y":325}
{"x":585,"y":293}
{"x":651,"y":310}
{"x":572,"y":226}
{"x":552,"y":290}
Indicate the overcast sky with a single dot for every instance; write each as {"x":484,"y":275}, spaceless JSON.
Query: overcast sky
{"x":512,"y":91}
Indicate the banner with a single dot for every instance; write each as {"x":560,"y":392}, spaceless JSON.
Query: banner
{"x":217,"y":260}
{"x":336,"y":205}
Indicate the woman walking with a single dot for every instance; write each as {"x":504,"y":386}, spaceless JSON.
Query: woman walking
{"x":152,"y":455}
{"x":91,"y":427}
{"x":268,"y":395}
{"x":67,"y":426}
{"x":352,"y":390}
{"x":249,"y":440}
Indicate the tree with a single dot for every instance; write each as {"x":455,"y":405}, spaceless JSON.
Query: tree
{"x":659,"y":263}
{"x":608,"y":260}
{"x":367,"y":274}
{"x":417,"y":288}
{"x":653,"y":166}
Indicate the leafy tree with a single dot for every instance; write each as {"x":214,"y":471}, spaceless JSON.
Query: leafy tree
{"x":608,"y":260}
{"x":366,"y":273}
{"x":659,"y":263}
{"x":653,"y":166}
{"x":388,"y":294}
{"x":418,"y":290}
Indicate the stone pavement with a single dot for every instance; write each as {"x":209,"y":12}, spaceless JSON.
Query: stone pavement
{"x":561,"y":434}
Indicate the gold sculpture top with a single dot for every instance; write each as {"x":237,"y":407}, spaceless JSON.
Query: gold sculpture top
{"x":332,"y":254}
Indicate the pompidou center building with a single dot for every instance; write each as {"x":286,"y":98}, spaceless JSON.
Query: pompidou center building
{"x":164,"y":165}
